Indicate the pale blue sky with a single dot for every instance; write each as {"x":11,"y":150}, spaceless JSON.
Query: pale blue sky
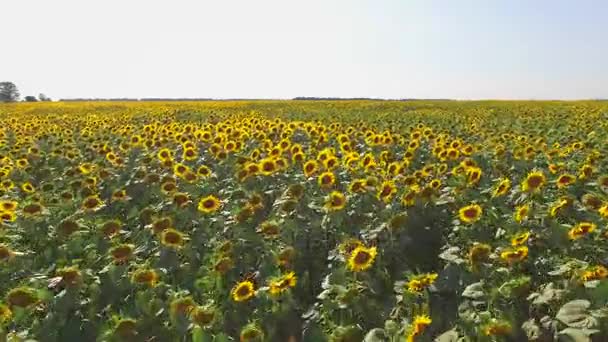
{"x":281,"y":49}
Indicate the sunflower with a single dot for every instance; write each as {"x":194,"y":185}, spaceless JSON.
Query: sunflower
{"x":111,"y":228}
{"x":357,"y":186}
{"x":387,"y":190}
{"x":520,"y":239}
{"x":286,"y":256}
{"x":473,"y":175}
{"x":120,"y":196}
{"x":581,"y":229}
{"x":565,"y":180}
{"x":172,"y":238}
{"x":92,"y":203}
{"x":591,"y":202}
{"x":145,"y":276}
{"x":514,"y":254}
{"x":361,"y":258}
{"x":267,"y":166}
{"x":181,"y":306}
{"x":310,"y":167}
{"x":470,"y":213}
{"x":435,"y":184}
{"x":497,"y":328}
{"x":21,"y":297}
{"x":269,"y":229}
{"x":203,"y":171}
{"x":243,"y":291}
{"x":8,"y":216}
{"x":521,"y":213}
{"x":203,"y":316}
{"x":121,"y":253}
{"x":418,"y":326}
{"x":326,"y":180}
{"x":603,"y":211}
{"x":189,"y":154}
{"x":281,"y":284}
{"x":164,"y":154}
{"x":71,"y":276}
{"x":335,"y":201}
{"x":533,"y":182}
{"x":209,"y":204}
{"x":594,"y":273}
{"x":126,"y":328}
{"x":8,"y":205}
{"x":409,"y":197}
{"x":251,"y":333}
{"x":5,"y":313}
{"x":180,"y":170}
{"x":6,"y":253}
{"x":27,"y":187}
{"x":478,"y":253}
{"x":420,"y":282}
{"x":502,"y":188}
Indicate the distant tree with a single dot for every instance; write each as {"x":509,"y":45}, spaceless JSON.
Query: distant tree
{"x":30,"y":98}
{"x":43,"y":97}
{"x":8,"y":92}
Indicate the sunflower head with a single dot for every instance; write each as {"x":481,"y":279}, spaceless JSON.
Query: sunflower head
{"x":470,"y":213}
{"x":243,"y":291}
{"x":533,"y":182}
{"x":361,"y":258}
{"x":335,"y":201}
{"x":209,"y":204}
{"x":145,"y":276}
{"x":172,"y":238}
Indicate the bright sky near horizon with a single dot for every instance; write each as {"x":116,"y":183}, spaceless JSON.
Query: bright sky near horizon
{"x":519,"y":49}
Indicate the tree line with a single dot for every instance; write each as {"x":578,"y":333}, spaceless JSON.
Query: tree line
{"x":10,"y":93}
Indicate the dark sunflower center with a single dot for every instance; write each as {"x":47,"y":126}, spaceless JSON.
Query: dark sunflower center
{"x":362,"y":257}
{"x":470,"y":213}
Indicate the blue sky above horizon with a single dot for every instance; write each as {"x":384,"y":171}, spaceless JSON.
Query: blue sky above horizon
{"x":281,"y":49}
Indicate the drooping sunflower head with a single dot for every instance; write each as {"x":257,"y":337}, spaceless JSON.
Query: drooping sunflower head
{"x":203,"y":316}
{"x":121,"y":253}
{"x":251,"y":333}
{"x":145,"y":276}
{"x":110,"y":228}
{"x":22,"y":297}
{"x":92,"y":203}
{"x":269,"y":229}
{"x":497,"y":328}
{"x":181,"y":306}
{"x":479,"y":253}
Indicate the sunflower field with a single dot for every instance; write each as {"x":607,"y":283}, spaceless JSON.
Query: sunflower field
{"x":304,"y":221}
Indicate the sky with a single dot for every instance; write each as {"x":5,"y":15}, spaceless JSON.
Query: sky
{"x":467,"y":49}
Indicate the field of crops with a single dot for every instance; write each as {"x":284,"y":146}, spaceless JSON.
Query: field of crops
{"x":304,"y":221}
